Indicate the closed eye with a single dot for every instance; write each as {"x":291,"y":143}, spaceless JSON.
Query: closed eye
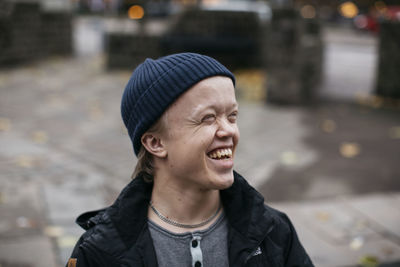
{"x":233,"y":117}
{"x":208,"y":118}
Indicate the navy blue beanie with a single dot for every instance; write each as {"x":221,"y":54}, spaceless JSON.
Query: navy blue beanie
{"x":155,"y":84}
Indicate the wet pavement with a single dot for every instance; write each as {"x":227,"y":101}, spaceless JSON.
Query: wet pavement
{"x":353,"y":149}
{"x":332,"y":167}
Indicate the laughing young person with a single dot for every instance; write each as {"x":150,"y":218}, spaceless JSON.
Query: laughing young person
{"x":186,"y":206}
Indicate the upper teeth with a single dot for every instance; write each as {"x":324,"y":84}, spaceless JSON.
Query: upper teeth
{"x":227,"y":152}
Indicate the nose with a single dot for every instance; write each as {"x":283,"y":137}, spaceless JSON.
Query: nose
{"x":226,"y":128}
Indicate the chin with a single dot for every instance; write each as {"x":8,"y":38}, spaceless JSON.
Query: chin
{"x":223,"y":181}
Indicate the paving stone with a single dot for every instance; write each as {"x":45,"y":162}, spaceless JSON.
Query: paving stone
{"x":33,"y":251}
{"x":267,"y":133}
{"x":382,"y":211}
{"x":333,"y":222}
{"x":68,"y":200}
{"x":335,"y":235}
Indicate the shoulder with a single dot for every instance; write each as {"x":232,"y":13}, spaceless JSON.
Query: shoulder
{"x":283,"y":225}
{"x":280,"y":219}
{"x":100,"y":242}
{"x":118,"y":232}
{"x":283,"y":237}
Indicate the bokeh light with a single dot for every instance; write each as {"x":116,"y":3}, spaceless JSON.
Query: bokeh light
{"x":308,"y":12}
{"x":348,"y":10}
{"x":380,"y":6}
{"x":361,"y":22}
{"x":136,"y":12}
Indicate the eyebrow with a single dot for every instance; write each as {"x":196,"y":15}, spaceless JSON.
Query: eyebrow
{"x":200,"y":108}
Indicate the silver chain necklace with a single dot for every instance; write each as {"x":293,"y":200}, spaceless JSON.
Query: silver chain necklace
{"x":181,"y":225}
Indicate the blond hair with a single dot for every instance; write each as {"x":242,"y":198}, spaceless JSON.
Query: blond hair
{"x":145,"y":164}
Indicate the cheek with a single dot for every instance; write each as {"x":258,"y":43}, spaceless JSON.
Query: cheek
{"x":186,"y":145}
{"x":190,"y":148}
{"x":204,"y":135}
{"x":236,"y":136}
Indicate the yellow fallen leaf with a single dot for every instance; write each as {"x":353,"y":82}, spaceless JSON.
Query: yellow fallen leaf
{"x":394,"y":132}
{"x":25,"y":161}
{"x":289,"y":158}
{"x":349,"y":150}
{"x":323,"y":216}
{"x":40,"y":137}
{"x":369,"y":261}
{"x":376,"y":102}
{"x":362,"y":98}
{"x":5,"y":124}
{"x":328,"y":126}
{"x":357,"y":243}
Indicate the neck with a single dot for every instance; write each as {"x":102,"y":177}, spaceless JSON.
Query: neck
{"x":183,"y":205}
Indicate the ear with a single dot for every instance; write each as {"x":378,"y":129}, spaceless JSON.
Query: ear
{"x":153,"y":144}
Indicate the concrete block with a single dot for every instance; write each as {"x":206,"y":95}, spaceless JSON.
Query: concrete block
{"x":127,"y":51}
{"x":388,"y":80}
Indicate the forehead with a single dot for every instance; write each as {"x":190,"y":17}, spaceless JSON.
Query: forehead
{"x":217,"y":91}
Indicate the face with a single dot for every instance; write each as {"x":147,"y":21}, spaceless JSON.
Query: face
{"x":201,"y":135}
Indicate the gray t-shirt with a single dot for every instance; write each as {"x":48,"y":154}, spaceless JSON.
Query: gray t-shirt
{"x":208,"y":247}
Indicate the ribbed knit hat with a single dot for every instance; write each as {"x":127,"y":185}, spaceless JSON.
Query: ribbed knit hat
{"x":156,"y":84}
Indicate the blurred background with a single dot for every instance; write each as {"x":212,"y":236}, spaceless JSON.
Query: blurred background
{"x":319,"y":90}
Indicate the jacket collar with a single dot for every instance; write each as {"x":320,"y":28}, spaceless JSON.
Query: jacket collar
{"x":244,"y":206}
{"x":129,"y":211}
{"x":249,"y":220}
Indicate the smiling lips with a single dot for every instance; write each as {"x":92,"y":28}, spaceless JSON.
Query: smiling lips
{"x":219,"y":154}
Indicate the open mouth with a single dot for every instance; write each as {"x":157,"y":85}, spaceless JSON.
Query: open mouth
{"x":220,"y":154}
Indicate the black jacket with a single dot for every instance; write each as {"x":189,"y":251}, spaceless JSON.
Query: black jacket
{"x":119,"y":236}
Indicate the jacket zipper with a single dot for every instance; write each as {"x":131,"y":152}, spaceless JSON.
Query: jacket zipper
{"x":258,"y":245}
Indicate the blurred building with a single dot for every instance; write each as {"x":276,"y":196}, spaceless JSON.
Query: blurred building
{"x":48,"y":4}
{"x":29,"y":31}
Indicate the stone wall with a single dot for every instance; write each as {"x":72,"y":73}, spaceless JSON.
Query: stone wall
{"x":294,"y":57}
{"x":28,"y":33}
{"x":125,"y":51}
{"x":230,"y":36}
{"x":388,"y":71}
